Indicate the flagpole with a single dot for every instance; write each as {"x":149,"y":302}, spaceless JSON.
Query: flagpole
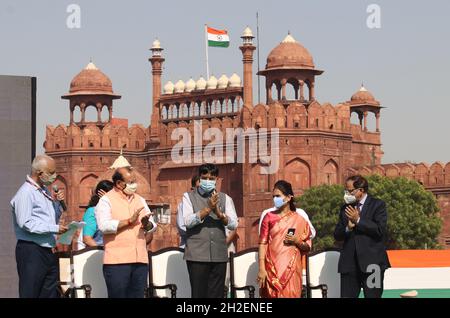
{"x":206,"y":50}
{"x":257,"y":39}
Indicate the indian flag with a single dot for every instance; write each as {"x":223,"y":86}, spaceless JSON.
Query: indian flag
{"x":418,"y":273}
{"x":218,"y":38}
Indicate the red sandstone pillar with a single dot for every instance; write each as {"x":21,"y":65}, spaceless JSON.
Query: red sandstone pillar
{"x":71,"y":114}
{"x":302,"y":91}
{"x":377,"y":115}
{"x":269,"y":94}
{"x":312,"y":92}
{"x":99,"y":112}
{"x":157,"y":62}
{"x":110,"y":112}
{"x":283,"y":88}
{"x":365,"y":121}
{"x":247,"y":49}
{"x":83,"y":110}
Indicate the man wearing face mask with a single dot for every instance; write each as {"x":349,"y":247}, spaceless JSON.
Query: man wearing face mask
{"x":362,"y":226}
{"x":36,"y":216}
{"x":206,"y":214}
{"x":124,"y":218}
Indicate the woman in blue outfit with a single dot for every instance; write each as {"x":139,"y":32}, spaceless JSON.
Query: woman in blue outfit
{"x":90,"y":234}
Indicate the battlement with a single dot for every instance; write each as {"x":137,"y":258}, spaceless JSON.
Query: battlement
{"x":296,"y":115}
{"x":292,"y":115}
{"x":435,"y":175}
{"x":275,"y":115}
{"x":112,"y":136}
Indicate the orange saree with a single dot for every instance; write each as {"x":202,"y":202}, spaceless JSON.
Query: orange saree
{"x":283,"y":262}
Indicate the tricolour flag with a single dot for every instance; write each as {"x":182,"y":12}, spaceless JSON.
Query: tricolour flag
{"x":218,"y":38}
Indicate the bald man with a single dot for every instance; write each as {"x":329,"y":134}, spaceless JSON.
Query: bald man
{"x":124,"y":218}
{"x":36,"y":214}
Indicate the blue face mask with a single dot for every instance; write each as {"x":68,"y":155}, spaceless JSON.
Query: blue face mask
{"x":278,"y":202}
{"x":207,"y":185}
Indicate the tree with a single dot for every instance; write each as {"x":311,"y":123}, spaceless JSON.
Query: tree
{"x":413,"y":218}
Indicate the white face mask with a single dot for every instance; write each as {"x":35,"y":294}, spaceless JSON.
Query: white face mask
{"x":49,"y":179}
{"x":207,"y":185}
{"x":130,"y":188}
{"x":349,"y":198}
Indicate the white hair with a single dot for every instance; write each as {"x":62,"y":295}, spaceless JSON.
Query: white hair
{"x":40,"y":162}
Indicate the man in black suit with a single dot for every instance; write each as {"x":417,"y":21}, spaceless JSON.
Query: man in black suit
{"x":362,"y":226}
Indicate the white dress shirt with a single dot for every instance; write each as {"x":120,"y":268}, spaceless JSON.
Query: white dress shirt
{"x":361,"y":204}
{"x":104,"y":219}
{"x":180,"y":225}
{"x":192,"y":218}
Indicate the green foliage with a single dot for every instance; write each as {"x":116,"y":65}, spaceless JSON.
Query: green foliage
{"x":322,"y":203}
{"x":413,"y":219}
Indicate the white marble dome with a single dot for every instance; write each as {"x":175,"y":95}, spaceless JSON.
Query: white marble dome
{"x":179,"y":86}
{"x":223,"y":82}
{"x":156,"y":44}
{"x":289,"y":39}
{"x":235,"y":80}
{"x":201,"y":83}
{"x":247,"y":32}
{"x":169,"y":87}
{"x":190,"y":85}
{"x":212,"y":83}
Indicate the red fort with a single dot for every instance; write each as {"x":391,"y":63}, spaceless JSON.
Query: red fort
{"x":318,"y":144}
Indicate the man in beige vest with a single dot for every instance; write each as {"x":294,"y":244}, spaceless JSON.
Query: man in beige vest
{"x":124,"y":217}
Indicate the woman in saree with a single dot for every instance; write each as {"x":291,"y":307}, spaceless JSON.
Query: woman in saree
{"x":284,"y":237}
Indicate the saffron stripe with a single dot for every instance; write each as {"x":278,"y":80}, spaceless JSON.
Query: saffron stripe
{"x":215,"y":31}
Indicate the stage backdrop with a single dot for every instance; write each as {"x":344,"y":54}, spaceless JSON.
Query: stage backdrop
{"x":17,"y":148}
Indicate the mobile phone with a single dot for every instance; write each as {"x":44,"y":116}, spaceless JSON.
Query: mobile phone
{"x":291,"y":231}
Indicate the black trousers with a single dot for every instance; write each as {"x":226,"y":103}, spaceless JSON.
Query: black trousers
{"x":207,"y":279}
{"x":38,"y":271}
{"x":351,"y":284}
{"x":126,"y":280}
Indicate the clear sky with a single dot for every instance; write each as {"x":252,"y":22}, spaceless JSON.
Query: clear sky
{"x":405,"y":63}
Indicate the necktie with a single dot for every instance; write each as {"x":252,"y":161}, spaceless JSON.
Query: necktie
{"x":358,"y":207}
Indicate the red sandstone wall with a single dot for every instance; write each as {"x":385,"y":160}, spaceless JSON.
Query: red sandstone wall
{"x":444,"y":204}
{"x":314,"y":149}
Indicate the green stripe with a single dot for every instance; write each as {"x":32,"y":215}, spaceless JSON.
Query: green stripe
{"x":218,"y":44}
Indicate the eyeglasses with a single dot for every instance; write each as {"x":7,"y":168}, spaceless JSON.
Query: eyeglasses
{"x":351,"y":191}
{"x":50,"y":174}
